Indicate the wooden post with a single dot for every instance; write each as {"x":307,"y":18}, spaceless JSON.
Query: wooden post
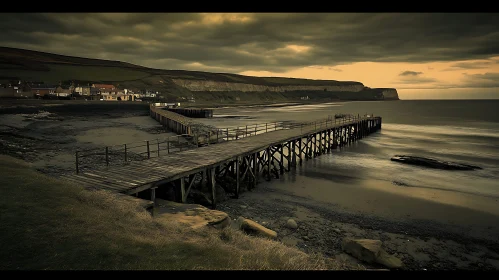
{"x":157,"y":140}
{"x":182,"y":189}
{"x":126,"y":159}
{"x":203,"y":179}
{"x":246,"y":133}
{"x":265,"y":127}
{"x":76,"y":163}
{"x":213,"y":194}
{"x":238,"y":165}
{"x":237,"y":130}
{"x":281,"y":165}
{"x":269,"y":156}
{"x":299,"y":150}
{"x":330,"y":131}
{"x":307,"y":148}
{"x":255,"y":169}
{"x":315,"y":145}
{"x":227,"y":129}
{"x":168,"y":144}
{"x":153,"y":195}
{"x":293,"y":150}
{"x":107,"y":156}
{"x":148,"y":151}
{"x":255,"y":128}
{"x":288,"y":157}
{"x":217,"y":135}
{"x":209,"y":137}
{"x":320,"y":143}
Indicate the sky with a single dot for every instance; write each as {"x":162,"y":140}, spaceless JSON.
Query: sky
{"x":423,"y":56}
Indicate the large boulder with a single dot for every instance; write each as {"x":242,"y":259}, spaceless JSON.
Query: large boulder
{"x":192,"y":215}
{"x":370,"y":251}
{"x":433,"y":163}
{"x":254,"y":228}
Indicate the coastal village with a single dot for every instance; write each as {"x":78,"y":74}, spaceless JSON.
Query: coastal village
{"x":94,"y":91}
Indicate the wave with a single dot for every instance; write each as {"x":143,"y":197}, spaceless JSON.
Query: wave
{"x":442,"y":130}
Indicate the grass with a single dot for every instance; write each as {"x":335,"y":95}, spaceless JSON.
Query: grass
{"x":49,"y":224}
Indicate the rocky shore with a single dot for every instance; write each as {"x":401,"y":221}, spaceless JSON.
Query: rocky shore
{"x":312,"y":227}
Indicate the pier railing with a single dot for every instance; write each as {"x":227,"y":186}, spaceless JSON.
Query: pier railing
{"x":142,"y":150}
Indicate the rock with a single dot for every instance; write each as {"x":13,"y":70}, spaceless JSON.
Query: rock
{"x":370,"y":251}
{"x":433,"y":163}
{"x":337,"y":230}
{"x":363,"y":249}
{"x":291,"y":224}
{"x":192,"y":215}
{"x":305,"y":238}
{"x":243,"y":206}
{"x":388,"y":260}
{"x":251,"y":227}
{"x":19,"y":153}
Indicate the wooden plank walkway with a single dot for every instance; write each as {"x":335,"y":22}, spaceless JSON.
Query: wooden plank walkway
{"x":142,"y":175}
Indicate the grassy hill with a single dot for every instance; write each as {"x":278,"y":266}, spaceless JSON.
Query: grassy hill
{"x":48,"y":224}
{"x":27,"y":65}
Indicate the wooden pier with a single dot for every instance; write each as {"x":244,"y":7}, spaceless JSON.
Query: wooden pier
{"x":175,"y":122}
{"x":193,"y":113}
{"x":245,"y":161}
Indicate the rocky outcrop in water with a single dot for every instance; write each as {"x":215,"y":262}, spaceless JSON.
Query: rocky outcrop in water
{"x":433,"y":163}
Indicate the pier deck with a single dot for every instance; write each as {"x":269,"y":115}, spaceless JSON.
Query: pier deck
{"x":254,"y":154}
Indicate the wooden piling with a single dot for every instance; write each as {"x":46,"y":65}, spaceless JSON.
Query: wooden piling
{"x":238,"y":164}
{"x":213,"y":188}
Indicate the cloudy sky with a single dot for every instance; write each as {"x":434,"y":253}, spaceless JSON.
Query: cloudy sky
{"x":422,"y":55}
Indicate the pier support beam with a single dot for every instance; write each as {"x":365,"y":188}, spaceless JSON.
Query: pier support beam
{"x":238,"y":164}
{"x":213,"y":189}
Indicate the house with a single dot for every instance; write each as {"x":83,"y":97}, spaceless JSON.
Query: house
{"x":83,"y":90}
{"x":103,"y":88}
{"x":118,"y":97}
{"x":63,"y":91}
{"x":41,"y":91}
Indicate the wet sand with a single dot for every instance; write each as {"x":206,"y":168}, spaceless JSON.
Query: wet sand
{"x":455,"y":237}
{"x":49,"y":136}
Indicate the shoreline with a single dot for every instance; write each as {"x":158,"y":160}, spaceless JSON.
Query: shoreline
{"x":419,"y":243}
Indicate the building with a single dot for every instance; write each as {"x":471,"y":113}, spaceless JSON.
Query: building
{"x":41,"y":91}
{"x":103,"y":88}
{"x":118,"y":97}
{"x":63,"y":91}
{"x":83,"y":90}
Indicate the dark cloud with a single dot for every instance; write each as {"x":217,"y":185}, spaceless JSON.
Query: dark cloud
{"x":476,"y":81}
{"x":410,"y":73}
{"x":487,"y":80}
{"x":259,"y":42}
{"x":471,"y":65}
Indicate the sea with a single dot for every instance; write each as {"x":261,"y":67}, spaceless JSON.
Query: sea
{"x":463,"y":131}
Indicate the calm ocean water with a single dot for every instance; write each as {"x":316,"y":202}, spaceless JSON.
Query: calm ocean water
{"x":465,"y":131}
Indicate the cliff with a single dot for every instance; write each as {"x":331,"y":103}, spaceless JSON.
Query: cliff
{"x":33,"y":66}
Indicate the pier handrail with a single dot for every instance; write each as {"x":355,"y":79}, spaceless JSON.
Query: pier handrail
{"x":141,"y":150}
